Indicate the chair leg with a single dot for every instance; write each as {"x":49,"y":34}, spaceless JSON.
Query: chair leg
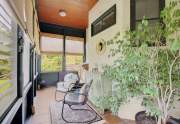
{"x":88,"y":121}
{"x":62,"y":113}
{"x":91,"y":111}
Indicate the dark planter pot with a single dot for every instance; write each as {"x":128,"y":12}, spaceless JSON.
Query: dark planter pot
{"x":143,"y":118}
{"x":173,"y":121}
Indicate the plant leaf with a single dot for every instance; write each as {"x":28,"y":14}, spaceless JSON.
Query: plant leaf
{"x":175,"y":45}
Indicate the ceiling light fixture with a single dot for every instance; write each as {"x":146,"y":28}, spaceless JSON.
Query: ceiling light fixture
{"x":62,"y":13}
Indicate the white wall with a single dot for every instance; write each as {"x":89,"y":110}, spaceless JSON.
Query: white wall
{"x":122,"y":24}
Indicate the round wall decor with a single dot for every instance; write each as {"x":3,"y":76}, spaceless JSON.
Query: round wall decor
{"x":100,"y":46}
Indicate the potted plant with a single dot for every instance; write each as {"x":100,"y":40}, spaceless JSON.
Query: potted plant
{"x":149,"y":65}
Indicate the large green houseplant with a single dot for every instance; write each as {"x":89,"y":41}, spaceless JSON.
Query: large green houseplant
{"x":150,"y":64}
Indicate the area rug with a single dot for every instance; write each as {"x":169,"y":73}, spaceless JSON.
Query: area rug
{"x":70,"y":115}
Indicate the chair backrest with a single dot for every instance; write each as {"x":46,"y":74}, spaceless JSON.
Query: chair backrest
{"x":62,"y":74}
{"x":85,"y":91}
{"x":88,"y":86}
{"x":71,"y":77}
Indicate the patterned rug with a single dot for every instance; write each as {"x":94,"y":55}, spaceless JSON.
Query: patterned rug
{"x":70,"y":115}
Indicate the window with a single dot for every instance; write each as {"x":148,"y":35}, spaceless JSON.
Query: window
{"x":105,"y":21}
{"x":51,"y":62}
{"x":52,"y":53}
{"x":61,"y":53}
{"x":150,"y":9}
{"x":8,"y":62}
{"x":74,"y":53}
{"x":73,"y":62}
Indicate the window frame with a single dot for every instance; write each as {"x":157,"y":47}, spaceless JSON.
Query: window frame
{"x":18,"y":38}
{"x":63,"y":53}
{"x":101,"y":18}
{"x":53,"y":54}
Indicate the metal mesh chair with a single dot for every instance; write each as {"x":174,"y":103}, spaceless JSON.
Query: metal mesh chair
{"x":70,"y":80}
{"x":80,"y":97}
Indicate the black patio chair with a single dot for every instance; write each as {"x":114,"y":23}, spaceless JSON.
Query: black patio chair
{"x":80,"y":97}
{"x":70,"y":82}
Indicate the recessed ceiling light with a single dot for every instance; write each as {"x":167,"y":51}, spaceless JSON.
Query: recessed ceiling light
{"x":62,"y":13}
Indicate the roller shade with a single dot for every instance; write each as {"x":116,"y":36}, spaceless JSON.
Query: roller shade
{"x":74,"y":45}
{"x":51,"y":44}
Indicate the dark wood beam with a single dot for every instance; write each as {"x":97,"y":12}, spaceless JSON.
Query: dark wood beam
{"x":63,"y":30}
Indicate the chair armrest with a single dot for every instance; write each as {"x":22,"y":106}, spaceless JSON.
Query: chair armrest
{"x":76,"y":85}
{"x":71,"y":86}
{"x":77,"y":93}
{"x":72,"y":92}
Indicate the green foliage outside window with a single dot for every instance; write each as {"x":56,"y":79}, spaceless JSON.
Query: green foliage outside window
{"x":73,"y":62}
{"x":51,"y":62}
{"x":5,"y":61}
{"x":74,"y":59}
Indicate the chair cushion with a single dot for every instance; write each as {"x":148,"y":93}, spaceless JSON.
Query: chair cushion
{"x":64,"y":86}
{"x":71,"y":77}
{"x":68,"y":84}
{"x":78,"y":96}
{"x":61,"y":88}
{"x":63,"y":73}
{"x":84,"y":90}
{"x":73,"y":99}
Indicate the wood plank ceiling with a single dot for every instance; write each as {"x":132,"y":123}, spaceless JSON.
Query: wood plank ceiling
{"x":77,"y":12}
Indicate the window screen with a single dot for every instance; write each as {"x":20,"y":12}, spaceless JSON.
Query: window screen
{"x":51,"y":62}
{"x":52,"y":53}
{"x":150,"y":9}
{"x":8,"y":62}
{"x":147,"y":8}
